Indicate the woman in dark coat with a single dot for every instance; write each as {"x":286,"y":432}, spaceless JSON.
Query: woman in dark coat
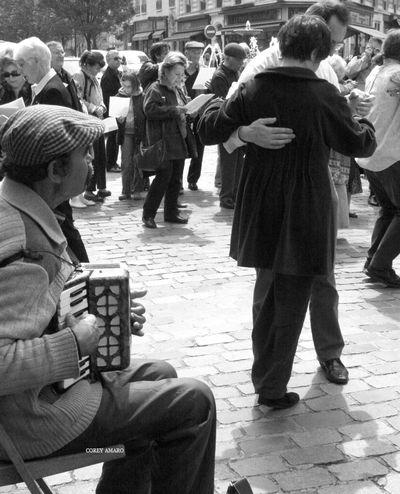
{"x":166,"y":118}
{"x":284,"y":219}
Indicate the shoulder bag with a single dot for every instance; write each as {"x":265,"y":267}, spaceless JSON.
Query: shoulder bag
{"x":153,"y":158}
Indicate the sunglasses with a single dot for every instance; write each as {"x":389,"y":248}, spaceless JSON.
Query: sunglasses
{"x":14,"y":73}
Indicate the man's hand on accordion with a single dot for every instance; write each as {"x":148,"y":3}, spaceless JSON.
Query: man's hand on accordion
{"x":137,"y":311}
{"x":86,"y":333}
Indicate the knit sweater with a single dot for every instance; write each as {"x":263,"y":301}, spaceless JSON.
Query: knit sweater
{"x":39,"y":419}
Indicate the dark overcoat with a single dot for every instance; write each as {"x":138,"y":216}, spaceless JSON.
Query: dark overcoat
{"x":54,"y":93}
{"x":160,"y":107}
{"x":284,"y":218}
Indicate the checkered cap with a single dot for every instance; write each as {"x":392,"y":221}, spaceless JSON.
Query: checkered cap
{"x":40,"y":133}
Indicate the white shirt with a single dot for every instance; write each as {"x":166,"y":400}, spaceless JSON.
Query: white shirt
{"x":384,"y":83}
{"x":36,"y":88}
{"x":267,"y":59}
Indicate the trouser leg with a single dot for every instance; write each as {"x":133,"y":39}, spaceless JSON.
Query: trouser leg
{"x":276,"y":333}
{"x":324,"y":318}
{"x":99,"y":166}
{"x":157,"y":190}
{"x":228,"y":170}
{"x":111,"y":149}
{"x":127,"y":166}
{"x":138,"y":183}
{"x":174,"y":185}
{"x":194,"y":171}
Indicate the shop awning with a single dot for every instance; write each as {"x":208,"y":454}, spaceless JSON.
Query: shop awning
{"x":139,"y":36}
{"x":187,"y":35}
{"x":158,"y":34}
{"x":367,"y":30}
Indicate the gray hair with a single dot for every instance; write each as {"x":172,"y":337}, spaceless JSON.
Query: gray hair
{"x":36,"y":48}
{"x":173,"y":58}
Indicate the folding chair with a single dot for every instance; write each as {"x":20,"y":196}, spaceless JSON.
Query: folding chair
{"x":32,"y":471}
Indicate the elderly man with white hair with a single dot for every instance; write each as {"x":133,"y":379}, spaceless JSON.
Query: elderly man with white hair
{"x":34,"y":58}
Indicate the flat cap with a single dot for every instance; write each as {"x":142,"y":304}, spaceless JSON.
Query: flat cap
{"x":235,"y":50}
{"x":194,"y":45}
{"x":40,"y":133}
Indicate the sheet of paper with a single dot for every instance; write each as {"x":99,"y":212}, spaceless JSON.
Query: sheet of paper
{"x":110,"y":124}
{"x":9,"y":108}
{"x":118,"y":106}
{"x":196,"y":104}
{"x":204,"y":75}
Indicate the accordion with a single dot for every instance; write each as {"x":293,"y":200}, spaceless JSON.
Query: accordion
{"x":101,"y":290}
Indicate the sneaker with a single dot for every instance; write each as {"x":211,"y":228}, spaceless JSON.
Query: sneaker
{"x":77,"y":203}
{"x":103,"y":193}
{"x":91,"y":196}
{"x":85,"y":201}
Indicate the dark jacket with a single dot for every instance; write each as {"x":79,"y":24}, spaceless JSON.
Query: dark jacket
{"x":7,"y":94}
{"x":69,"y":83}
{"x":221,"y":81}
{"x":148,"y":74}
{"x":285,"y":214}
{"x":54,"y":93}
{"x":110,"y":83}
{"x":160,"y":106}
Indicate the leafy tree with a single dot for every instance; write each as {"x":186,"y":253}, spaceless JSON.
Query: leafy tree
{"x":88,"y":17}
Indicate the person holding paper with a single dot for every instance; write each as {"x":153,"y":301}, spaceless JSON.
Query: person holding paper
{"x":13,"y":83}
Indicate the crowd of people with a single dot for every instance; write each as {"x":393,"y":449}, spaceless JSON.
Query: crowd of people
{"x":290,"y":131}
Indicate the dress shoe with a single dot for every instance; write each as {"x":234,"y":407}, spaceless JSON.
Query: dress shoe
{"x":77,"y":203}
{"x":353,"y":215}
{"x":149,"y":222}
{"x":192,"y":186}
{"x":115,"y":169}
{"x":228,"y":204}
{"x":181,"y":206}
{"x":91,"y":196}
{"x":287,"y":401}
{"x":335,"y":371}
{"x":372,"y":200}
{"x":103,"y":193}
{"x":176,"y":219}
{"x":383,"y":275}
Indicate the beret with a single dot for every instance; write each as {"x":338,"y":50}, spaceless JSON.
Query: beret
{"x":40,"y":133}
{"x":193,"y":45}
{"x":235,"y":50}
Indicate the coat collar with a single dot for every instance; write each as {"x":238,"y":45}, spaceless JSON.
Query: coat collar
{"x":29,"y":202}
{"x":291,"y":72}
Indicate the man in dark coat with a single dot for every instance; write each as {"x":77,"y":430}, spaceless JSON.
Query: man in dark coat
{"x":110,"y":84}
{"x":285,"y":213}
{"x":148,"y":72}
{"x":224,"y":76}
{"x":34,"y":58}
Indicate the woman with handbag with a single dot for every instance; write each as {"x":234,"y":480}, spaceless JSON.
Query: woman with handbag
{"x":166,"y":121}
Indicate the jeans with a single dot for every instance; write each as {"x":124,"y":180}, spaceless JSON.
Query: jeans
{"x":167,"y":426}
{"x":324,"y":300}
{"x":385,"y":241}
{"x":167,"y":181}
{"x":132,"y":180}
{"x":111,"y":149}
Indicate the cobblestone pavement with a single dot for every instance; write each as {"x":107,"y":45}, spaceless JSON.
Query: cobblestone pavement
{"x":339,"y":439}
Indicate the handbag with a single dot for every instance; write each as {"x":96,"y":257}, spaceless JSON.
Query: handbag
{"x":241,"y":486}
{"x":153,"y":158}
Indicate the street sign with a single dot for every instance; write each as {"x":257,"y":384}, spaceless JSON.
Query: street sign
{"x":210,"y":31}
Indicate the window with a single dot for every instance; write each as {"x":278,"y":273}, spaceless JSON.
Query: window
{"x":377,"y":26}
{"x":144,"y":7}
{"x":238,"y":2}
{"x":188,"y":6}
{"x":202,"y":5}
{"x":219,"y":3}
{"x":171,"y":3}
{"x":137,"y":6}
{"x":384,"y":5}
{"x":158,"y":4}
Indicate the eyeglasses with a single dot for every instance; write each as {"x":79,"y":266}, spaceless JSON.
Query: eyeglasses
{"x":14,"y":73}
{"x":117,"y":59}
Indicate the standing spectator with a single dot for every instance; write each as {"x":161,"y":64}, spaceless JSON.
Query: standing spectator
{"x":131,"y":132}
{"x":34,"y":59}
{"x":13,"y":83}
{"x":226,"y":74}
{"x":193,"y":51}
{"x":57,"y":62}
{"x":285,"y":217}
{"x":165,"y":118}
{"x":90,"y":93}
{"x":110,"y":84}
{"x":359,"y":67}
{"x":383,"y":167}
{"x":148,"y":72}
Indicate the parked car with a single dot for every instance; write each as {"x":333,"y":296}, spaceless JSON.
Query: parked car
{"x":71,"y":65}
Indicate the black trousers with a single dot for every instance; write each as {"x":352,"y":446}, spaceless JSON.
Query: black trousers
{"x":111,"y":149}
{"x":194,"y":171}
{"x":167,"y":181}
{"x":99,"y":166}
{"x":385,"y":240}
{"x":276,"y":333}
{"x":167,"y":426}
